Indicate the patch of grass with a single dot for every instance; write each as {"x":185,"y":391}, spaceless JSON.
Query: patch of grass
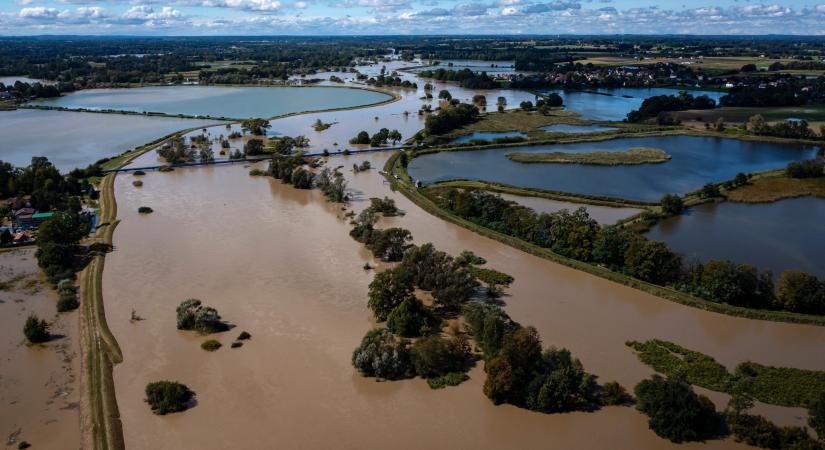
{"x":634,"y":156}
{"x":783,"y":386}
{"x":450,"y":379}
{"x":211,"y":345}
{"x":774,"y":186}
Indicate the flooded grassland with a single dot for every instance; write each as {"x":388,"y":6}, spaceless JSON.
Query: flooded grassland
{"x":39,"y":392}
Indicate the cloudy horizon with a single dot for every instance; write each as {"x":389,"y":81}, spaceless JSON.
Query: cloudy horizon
{"x":401,"y":17}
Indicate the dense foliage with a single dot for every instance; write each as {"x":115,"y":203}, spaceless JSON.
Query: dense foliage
{"x":36,"y":330}
{"x":193,"y":315}
{"x":652,"y":106}
{"x":676,"y":412}
{"x":450,"y":117}
{"x":166,"y":397}
{"x":382,"y":355}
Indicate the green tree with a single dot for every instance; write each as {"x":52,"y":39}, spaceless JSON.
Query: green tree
{"x":382,"y":355}
{"x":798,"y":291}
{"x":390,"y":244}
{"x":445,"y":95}
{"x":36,"y":330}
{"x":434,"y":356}
{"x":675,"y":412}
{"x":394,"y":136}
{"x":257,"y":127}
{"x":387,"y":290}
{"x":192,"y":314}
{"x":672,"y":204}
{"x":652,"y":261}
{"x":409,"y":318}
{"x":166,"y":397}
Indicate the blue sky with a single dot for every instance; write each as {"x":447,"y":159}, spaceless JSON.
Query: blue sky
{"x":346,"y":17}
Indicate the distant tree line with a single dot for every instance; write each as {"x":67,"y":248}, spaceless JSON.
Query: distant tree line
{"x":653,"y":106}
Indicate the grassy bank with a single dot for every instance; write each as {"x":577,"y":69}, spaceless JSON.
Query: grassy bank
{"x":101,"y":427}
{"x":406,"y":187}
{"x":542,"y":193}
{"x":781,"y":386}
{"x":634,"y":156}
{"x":775,"y":185}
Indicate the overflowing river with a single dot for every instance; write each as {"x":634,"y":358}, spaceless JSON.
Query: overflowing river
{"x":278,"y":262}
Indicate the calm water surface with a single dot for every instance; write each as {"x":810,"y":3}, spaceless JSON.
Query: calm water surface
{"x":614,"y":104}
{"x":605,"y":215}
{"x":219,"y":101}
{"x":488,"y":136}
{"x":74,"y":139}
{"x":696,"y":161}
{"x":778,"y":236}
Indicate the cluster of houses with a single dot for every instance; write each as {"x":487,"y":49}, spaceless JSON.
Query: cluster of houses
{"x":24,"y":220}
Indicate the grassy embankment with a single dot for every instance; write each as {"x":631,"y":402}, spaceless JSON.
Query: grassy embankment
{"x":783,"y":386}
{"x":101,"y":428}
{"x":405,"y":185}
{"x":633,"y":156}
{"x":774,"y":185}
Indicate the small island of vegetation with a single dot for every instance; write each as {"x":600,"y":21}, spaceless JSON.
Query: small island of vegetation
{"x":634,"y":156}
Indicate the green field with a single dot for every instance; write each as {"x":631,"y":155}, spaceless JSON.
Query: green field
{"x":633,"y":156}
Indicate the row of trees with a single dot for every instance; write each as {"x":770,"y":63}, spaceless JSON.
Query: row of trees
{"x":378,"y":139}
{"x":795,"y":129}
{"x":464,"y":77}
{"x":46,"y":187}
{"x":576,"y":235}
{"x":652,"y":106}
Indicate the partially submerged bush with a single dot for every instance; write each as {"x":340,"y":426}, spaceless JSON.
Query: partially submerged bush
{"x":211,"y":345}
{"x":613,"y":393}
{"x":193,"y":315}
{"x":382,"y":355}
{"x":137,"y":183}
{"x":168,"y":396}
{"x":434,"y":356}
{"x":145,"y":210}
{"x":138,"y":173}
{"x":165,"y":169}
{"x":450,"y":379}
{"x":36,"y":330}
{"x":675,"y":411}
{"x":244,"y":336}
{"x":67,"y":296}
{"x":236,"y":344}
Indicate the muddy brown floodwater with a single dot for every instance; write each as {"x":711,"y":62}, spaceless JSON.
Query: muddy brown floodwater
{"x":38,"y":383}
{"x":278,"y":262}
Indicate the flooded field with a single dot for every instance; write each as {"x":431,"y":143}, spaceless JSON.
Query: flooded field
{"x":39,"y":384}
{"x":73,"y":139}
{"x":696,"y":161}
{"x":278,"y":263}
{"x":215,"y":101}
{"x":777,"y":236}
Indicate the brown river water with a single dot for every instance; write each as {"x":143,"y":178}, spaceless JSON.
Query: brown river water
{"x":278,"y":262}
{"x":39,"y":392}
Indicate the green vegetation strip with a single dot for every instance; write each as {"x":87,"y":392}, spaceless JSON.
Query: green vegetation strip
{"x":634,"y":156}
{"x":781,"y":386}
{"x":101,"y":426}
{"x":405,"y":186}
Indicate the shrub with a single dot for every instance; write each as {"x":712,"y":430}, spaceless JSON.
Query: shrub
{"x":409,"y":318}
{"x":192,"y":315}
{"x":67,"y":296}
{"x":36,"y":330}
{"x":671,"y":204}
{"x":244,"y":336}
{"x":137,"y":183}
{"x":382,"y":355}
{"x":805,"y":169}
{"x":138,"y":173}
{"x":211,"y":345}
{"x":23,"y":444}
{"x":800,"y":292}
{"x":166,"y":169}
{"x":257,"y":173}
{"x":676,"y":412}
{"x":613,"y":393}
{"x":236,"y":344}
{"x":450,"y":379}
{"x":434,"y":356}
{"x":467,"y":258}
{"x":816,"y":415}
{"x":168,"y":396}
{"x":145,"y":210}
